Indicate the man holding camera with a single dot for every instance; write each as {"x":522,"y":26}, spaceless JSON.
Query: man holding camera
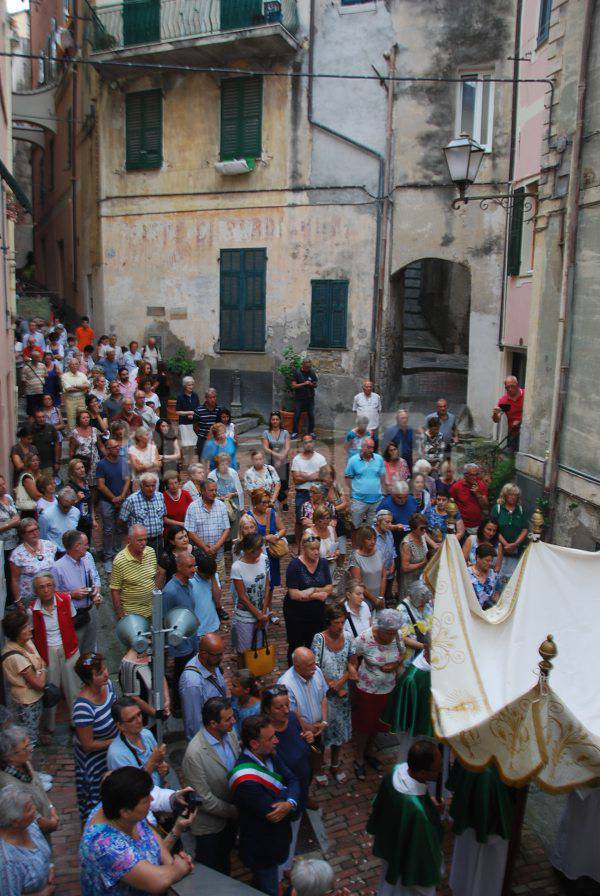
{"x":511,"y":404}
{"x":209,"y":758}
{"x":76,"y":573}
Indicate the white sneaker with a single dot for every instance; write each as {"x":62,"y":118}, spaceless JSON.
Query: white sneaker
{"x":47,"y":780}
{"x":108,"y":565}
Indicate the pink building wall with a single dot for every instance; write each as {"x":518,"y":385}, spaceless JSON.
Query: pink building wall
{"x":531,"y":118}
{"x":7,"y":292}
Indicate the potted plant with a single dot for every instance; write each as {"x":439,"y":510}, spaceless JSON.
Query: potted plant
{"x":179,"y":365}
{"x":287,"y":370}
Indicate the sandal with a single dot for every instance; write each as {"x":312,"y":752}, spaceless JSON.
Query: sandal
{"x":360,"y":771}
{"x":373,"y":762}
{"x":338,"y":777}
{"x":321,"y":780}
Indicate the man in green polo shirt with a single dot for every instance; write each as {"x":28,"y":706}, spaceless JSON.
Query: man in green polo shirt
{"x":133,"y":576}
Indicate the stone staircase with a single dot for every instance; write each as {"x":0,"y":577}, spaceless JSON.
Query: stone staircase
{"x":427,"y":370}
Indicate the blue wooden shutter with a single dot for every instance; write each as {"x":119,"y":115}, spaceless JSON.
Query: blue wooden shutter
{"x":143,"y":130}
{"x":515,"y":237}
{"x":241,"y":118}
{"x":243,"y":299}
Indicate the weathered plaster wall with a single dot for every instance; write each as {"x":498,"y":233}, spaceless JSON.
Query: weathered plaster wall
{"x":299,"y":242}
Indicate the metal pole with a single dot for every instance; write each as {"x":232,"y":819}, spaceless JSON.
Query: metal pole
{"x":157,"y":660}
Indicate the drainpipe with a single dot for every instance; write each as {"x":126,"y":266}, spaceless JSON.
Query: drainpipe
{"x":380,"y":188}
{"x":385,"y":211}
{"x":563,"y":336}
{"x":74,"y":119}
{"x":511,"y":164}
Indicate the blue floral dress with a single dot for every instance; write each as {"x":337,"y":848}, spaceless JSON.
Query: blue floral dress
{"x":333,"y":664}
{"x":107,"y":854}
{"x":485,"y":591}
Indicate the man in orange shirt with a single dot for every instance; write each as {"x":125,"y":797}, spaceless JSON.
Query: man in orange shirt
{"x":84,"y":334}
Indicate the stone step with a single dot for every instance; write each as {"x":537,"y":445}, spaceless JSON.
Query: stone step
{"x":412,"y":292}
{"x":424,"y":362}
{"x":413,"y":321}
{"x":412,"y":306}
{"x":244,"y":424}
{"x":421,"y":340}
{"x":423,"y":385}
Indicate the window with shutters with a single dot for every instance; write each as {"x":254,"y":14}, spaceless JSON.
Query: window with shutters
{"x":242,"y":299}
{"x":513,"y":266}
{"x":544,"y":21}
{"x":522,"y":231}
{"x":328,"y":313}
{"x":143,"y":130}
{"x":241,"y":118}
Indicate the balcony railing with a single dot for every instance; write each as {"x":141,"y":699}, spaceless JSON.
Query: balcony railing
{"x":140,"y":22}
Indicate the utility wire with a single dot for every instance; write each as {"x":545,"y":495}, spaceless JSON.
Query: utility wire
{"x":162,"y":66}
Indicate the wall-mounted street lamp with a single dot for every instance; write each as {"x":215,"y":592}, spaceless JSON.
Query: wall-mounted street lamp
{"x":464,"y":157}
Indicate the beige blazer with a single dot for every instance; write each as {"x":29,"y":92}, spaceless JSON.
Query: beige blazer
{"x":204,"y":770}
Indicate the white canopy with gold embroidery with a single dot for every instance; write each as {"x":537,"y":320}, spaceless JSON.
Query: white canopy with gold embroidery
{"x":487,"y":702}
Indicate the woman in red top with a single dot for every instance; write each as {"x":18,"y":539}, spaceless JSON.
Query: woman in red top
{"x":177,"y":500}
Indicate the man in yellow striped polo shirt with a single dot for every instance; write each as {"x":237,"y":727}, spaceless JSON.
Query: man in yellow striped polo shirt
{"x":133,"y":576}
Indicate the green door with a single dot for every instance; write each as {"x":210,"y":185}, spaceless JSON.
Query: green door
{"x":141,"y":21}
{"x":240,"y":14}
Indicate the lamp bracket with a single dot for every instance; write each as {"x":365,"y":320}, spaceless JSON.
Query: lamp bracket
{"x":505,"y":200}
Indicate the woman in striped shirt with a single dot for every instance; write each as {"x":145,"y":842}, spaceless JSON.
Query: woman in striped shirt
{"x":95,"y":729}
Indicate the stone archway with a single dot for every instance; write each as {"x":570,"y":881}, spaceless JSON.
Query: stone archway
{"x":425,"y":341}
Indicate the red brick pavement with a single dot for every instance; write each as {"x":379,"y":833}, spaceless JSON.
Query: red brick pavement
{"x":345,"y":808}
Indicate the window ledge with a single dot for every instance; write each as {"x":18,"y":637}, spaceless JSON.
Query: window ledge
{"x":357,"y":7}
{"x":320,"y":348}
{"x":240,"y":351}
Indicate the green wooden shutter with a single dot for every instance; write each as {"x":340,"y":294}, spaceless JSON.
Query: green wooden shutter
{"x":544,"y":22}
{"x":143,"y":130}
{"x":319,"y":314}
{"x":339,"y":309}
{"x":241,"y":118}
{"x":240,"y":14}
{"x":243,"y":299}
{"x":141,"y":21}
{"x":329,"y":313}
{"x":515,"y":237}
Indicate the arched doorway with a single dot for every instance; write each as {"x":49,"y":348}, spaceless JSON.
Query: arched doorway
{"x":426,"y":338}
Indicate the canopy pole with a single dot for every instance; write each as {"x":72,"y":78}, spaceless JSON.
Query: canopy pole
{"x":548,"y":651}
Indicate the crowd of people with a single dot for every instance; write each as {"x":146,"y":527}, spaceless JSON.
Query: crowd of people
{"x":100,"y":474}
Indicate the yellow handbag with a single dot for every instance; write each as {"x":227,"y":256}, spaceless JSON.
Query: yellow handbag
{"x":260,"y":660}
{"x":278,"y":549}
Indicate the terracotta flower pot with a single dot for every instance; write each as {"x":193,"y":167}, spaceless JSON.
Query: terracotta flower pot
{"x":172,"y":414}
{"x":287,"y":420}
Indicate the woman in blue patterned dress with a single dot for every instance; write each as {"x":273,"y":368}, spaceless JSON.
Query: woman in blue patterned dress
{"x":95,"y":729}
{"x":484,"y":580}
{"x":24,"y":851}
{"x":332,"y":650}
{"x":245,"y":697}
{"x":119,"y":852}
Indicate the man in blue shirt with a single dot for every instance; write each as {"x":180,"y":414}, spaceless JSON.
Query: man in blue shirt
{"x":60,"y":518}
{"x":365,"y":471}
{"x":191,"y":588}
{"x":109,"y":365}
{"x":401,"y":505}
{"x":113,"y":487}
{"x":134,"y":744}
{"x":401,"y":435}
{"x":202,"y":678}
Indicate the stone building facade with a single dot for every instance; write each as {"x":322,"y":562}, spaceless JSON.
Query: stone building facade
{"x":337,"y":235}
{"x":559,"y":455}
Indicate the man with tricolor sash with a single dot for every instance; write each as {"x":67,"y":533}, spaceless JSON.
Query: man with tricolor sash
{"x":266,"y":794}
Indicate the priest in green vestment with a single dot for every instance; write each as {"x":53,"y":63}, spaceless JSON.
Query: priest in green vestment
{"x":405,"y":822}
{"x":482,"y":812}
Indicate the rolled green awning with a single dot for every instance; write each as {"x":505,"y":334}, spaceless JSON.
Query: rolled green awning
{"x":17,"y":189}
